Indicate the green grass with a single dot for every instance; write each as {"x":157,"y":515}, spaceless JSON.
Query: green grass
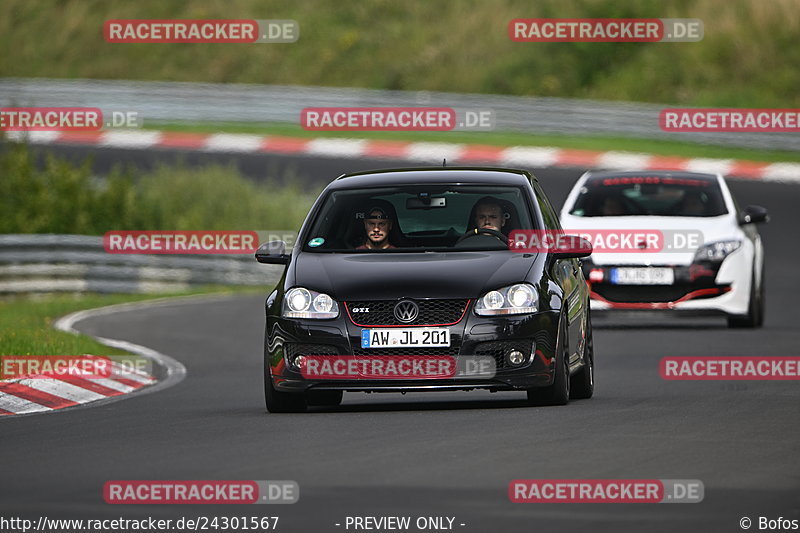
{"x":26,"y":321}
{"x":60,"y":197}
{"x":659,"y":147}
{"x":747,"y":58}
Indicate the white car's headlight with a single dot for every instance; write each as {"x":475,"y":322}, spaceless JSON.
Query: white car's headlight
{"x":303,"y":303}
{"x":514,"y":300}
{"x":716,"y":251}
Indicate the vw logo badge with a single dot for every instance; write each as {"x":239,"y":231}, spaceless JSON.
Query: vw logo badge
{"x":406,"y":311}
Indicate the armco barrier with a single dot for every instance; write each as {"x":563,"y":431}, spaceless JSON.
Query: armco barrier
{"x":78,"y":263}
{"x":208,"y":103}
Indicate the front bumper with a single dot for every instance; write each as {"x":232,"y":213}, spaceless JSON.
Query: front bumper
{"x":472,"y":335}
{"x":699,"y":289}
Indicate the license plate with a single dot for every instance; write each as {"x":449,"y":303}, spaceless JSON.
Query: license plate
{"x":642,"y":276}
{"x":405,"y":337}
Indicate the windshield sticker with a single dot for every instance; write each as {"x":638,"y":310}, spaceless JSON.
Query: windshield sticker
{"x":316,"y":241}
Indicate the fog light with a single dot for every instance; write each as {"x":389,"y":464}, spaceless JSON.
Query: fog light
{"x":298,"y":362}
{"x":515,"y":357}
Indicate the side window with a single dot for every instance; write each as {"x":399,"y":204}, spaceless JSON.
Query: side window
{"x":548,"y":213}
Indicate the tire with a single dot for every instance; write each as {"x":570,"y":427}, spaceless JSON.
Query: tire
{"x":582,"y":382}
{"x":755,"y":309}
{"x":558,"y":392}
{"x":324,"y":398}
{"x":762,"y":300}
{"x":282,"y":402}
{"x":277,"y":401}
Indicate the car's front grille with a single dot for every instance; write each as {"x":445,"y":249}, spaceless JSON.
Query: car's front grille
{"x":431,"y":312}
{"x":499,"y":349}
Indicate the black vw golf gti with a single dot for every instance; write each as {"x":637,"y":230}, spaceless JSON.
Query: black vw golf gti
{"x":404,"y":280}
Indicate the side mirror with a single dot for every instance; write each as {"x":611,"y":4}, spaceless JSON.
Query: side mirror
{"x":575,"y":248}
{"x":753,"y":214}
{"x":273,"y":252}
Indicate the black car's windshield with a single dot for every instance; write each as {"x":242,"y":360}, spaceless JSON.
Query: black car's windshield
{"x":649,"y":195}
{"x":414,"y":218}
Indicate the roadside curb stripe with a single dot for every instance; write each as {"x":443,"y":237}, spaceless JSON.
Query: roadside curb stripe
{"x":30,"y":394}
{"x":15,"y":405}
{"x":432,"y":152}
{"x":92,"y":385}
{"x":128,"y":385}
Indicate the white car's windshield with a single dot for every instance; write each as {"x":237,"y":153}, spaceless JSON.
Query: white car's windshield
{"x":649,"y":195}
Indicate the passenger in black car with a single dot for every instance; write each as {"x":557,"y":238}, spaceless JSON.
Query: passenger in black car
{"x":377,"y":225}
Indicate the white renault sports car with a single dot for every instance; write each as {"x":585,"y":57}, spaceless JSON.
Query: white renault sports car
{"x":673,"y":241}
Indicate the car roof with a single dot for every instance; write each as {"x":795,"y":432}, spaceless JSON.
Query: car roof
{"x":591,"y":176}
{"x":423,"y":175}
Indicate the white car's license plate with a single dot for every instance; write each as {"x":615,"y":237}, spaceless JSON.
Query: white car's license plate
{"x":642,"y":276}
{"x":405,"y":337}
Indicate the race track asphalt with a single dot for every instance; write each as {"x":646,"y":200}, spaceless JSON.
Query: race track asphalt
{"x":443,"y":454}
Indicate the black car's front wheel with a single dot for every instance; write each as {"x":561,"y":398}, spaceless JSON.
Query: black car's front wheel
{"x":282,"y":402}
{"x":582,"y":382}
{"x":275,"y":400}
{"x":558,"y":392}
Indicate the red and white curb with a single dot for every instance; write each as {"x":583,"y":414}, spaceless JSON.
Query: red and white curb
{"x":431,"y":152}
{"x":32,"y":394}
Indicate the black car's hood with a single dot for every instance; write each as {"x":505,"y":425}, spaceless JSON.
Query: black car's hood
{"x":411,"y":275}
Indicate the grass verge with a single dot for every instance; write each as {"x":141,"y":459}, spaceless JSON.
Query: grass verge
{"x":748,"y":56}
{"x":59,"y":196}
{"x":26,"y":321}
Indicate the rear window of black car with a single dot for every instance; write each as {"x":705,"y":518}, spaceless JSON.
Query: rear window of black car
{"x":423,"y":217}
{"x":649,"y":195}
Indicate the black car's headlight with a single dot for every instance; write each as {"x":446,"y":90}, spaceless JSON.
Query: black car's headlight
{"x":716,"y":251}
{"x":513,"y":300}
{"x":303,"y":303}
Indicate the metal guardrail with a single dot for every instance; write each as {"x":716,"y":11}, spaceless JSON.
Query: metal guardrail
{"x":206,"y":102}
{"x":79,"y":263}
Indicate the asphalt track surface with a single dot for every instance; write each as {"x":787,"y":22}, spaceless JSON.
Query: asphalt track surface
{"x":442,"y":454}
